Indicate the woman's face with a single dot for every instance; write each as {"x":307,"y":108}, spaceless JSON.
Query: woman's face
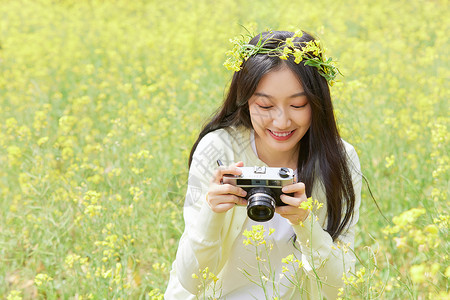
{"x":280,"y":114}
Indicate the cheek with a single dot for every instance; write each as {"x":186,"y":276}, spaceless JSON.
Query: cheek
{"x":303,"y":118}
{"x":258,"y":118}
{"x":307,"y":120}
{"x":309,"y":117}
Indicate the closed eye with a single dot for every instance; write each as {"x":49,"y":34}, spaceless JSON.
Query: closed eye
{"x":298,"y":106}
{"x":265,"y":107}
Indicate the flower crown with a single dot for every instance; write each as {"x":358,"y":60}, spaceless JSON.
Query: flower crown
{"x":310,"y":52}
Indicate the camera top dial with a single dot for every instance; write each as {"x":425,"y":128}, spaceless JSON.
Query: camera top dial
{"x":284,"y":172}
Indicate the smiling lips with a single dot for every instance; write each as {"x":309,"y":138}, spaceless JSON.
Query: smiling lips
{"x":281,"y":136}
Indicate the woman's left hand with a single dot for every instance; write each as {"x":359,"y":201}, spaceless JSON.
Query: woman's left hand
{"x":292,"y":212}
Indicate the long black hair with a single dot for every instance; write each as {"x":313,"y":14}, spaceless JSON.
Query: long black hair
{"x":322,"y":154}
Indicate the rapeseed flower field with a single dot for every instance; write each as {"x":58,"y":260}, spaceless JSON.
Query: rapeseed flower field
{"x":100,"y":102}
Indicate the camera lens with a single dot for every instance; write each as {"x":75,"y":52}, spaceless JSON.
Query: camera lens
{"x":261,"y":204}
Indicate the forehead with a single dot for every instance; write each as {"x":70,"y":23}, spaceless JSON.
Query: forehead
{"x":282,"y":82}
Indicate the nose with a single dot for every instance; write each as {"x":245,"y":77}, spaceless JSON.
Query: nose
{"x":282,"y":119}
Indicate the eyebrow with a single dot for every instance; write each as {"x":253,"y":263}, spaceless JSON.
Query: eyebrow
{"x":301,"y":94}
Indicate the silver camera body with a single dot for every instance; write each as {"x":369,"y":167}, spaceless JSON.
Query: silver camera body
{"x":263,"y":186}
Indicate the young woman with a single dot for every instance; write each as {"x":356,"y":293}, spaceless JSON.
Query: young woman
{"x":278,"y":113}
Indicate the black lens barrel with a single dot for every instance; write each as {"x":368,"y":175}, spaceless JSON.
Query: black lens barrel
{"x":261,"y":204}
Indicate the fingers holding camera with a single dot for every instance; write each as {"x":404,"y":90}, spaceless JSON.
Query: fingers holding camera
{"x":292,"y":211}
{"x":230,"y":170}
{"x":297,"y":188}
{"x":223,"y":203}
{"x":294,"y":214}
{"x":222,"y":197}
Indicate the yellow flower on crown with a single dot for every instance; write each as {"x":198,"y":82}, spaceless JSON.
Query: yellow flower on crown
{"x":310,"y":53}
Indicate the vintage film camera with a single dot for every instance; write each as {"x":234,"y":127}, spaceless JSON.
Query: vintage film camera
{"x":263,"y":186}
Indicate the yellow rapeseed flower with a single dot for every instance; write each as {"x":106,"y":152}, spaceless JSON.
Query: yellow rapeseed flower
{"x":41,"y":279}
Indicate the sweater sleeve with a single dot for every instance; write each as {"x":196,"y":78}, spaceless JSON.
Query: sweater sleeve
{"x":326,"y":261}
{"x":200,"y":244}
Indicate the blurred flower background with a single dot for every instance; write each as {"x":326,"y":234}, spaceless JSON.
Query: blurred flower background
{"x":100,"y":102}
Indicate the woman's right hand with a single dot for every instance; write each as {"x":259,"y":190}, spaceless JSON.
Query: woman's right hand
{"x":222,"y":197}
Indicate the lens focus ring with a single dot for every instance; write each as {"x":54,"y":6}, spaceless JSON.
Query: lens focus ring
{"x":261,"y":204}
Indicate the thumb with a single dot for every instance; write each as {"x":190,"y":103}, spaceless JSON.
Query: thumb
{"x":239,"y":164}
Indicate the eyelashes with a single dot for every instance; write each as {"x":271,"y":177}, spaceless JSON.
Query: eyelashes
{"x":270,"y":106}
{"x":299,"y":106}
